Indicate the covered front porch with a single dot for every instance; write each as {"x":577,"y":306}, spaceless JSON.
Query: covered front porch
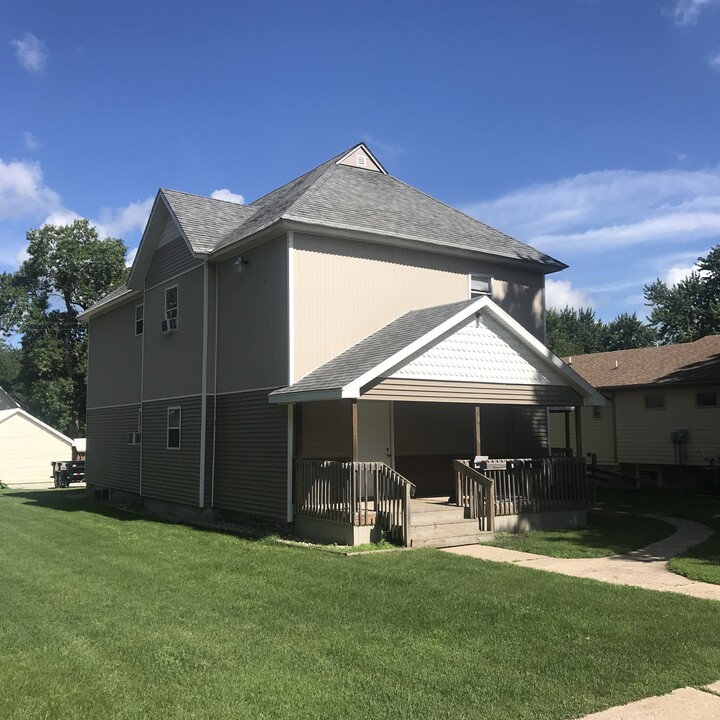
{"x":448,"y":402}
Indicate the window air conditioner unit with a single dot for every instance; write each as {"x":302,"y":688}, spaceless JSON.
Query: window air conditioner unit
{"x":133,"y":438}
{"x":168,"y":326}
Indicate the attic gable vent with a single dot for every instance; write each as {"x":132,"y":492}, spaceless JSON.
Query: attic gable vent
{"x":361,"y":160}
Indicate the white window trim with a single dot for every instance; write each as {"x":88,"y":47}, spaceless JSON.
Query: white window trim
{"x":178,"y":428}
{"x":480,"y":294}
{"x":141,"y":319}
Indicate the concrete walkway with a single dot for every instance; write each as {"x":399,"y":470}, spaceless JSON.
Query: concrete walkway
{"x":645,"y":568}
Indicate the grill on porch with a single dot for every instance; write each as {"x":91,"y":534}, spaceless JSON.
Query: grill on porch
{"x":371,"y":494}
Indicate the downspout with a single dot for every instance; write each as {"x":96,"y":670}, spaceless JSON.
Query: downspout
{"x":203,"y":386}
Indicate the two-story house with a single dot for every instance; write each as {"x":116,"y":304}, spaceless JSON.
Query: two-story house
{"x":344,"y":316}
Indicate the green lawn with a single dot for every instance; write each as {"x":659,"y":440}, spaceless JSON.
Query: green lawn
{"x":699,"y":563}
{"x":605,"y":535}
{"x":109,"y":615}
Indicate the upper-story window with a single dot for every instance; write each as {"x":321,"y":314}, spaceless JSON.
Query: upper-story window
{"x":170,"y":323}
{"x":654,"y":402}
{"x":139,"y":319}
{"x":480,"y":285}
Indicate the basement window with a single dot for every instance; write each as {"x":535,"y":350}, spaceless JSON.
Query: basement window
{"x":480,"y":285}
{"x":654,"y":402}
{"x":139,"y":319}
{"x":706,"y":399}
{"x":174,"y":425}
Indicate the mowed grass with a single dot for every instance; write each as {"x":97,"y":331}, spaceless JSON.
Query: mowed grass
{"x":105,"y":614}
{"x":701,"y":562}
{"x":605,"y":535}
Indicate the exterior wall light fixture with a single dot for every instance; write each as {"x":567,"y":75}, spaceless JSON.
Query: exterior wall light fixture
{"x":239,"y":262}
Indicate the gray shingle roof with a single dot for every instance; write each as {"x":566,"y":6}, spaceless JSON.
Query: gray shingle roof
{"x":347,"y":198}
{"x":115,"y":294}
{"x":206,"y":221}
{"x":7,"y":402}
{"x":374,"y":349}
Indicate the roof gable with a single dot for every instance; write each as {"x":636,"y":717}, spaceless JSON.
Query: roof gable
{"x":361,"y":157}
{"x":423,"y":344}
{"x":19,"y":412}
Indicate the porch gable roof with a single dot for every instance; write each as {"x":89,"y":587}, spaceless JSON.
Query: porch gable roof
{"x":419,"y":343}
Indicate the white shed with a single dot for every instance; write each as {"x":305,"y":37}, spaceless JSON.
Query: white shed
{"x":27,"y":447}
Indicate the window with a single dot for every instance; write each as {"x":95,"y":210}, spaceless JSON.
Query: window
{"x":706,"y":399}
{"x":597,"y":412}
{"x":170,"y":323}
{"x":139,"y":315}
{"x":654,"y":402}
{"x":480,"y":285}
{"x":174,"y":419}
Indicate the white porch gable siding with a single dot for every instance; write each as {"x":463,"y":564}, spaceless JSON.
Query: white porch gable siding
{"x":482,"y":351}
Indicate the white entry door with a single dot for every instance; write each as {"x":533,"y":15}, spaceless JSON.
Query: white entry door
{"x":375,"y":432}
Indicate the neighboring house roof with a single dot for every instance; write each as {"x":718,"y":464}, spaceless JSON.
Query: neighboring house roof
{"x":7,"y":402}
{"x":684,"y":364}
{"x":7,"y":414}
{"x":403,"y":348}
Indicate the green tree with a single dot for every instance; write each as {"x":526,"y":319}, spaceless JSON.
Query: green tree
{"x":690,"y":309}
{"x":626,"y":332}
{"x":68,"y":269}
{"x":573,"y":332}
{"x":9,"y":368}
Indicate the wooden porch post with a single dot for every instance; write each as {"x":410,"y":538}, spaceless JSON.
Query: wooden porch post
{"x":354,"y":431}
{"x":568,"y":447}
{"x":478,"y":440}
{"x":578,"y":431}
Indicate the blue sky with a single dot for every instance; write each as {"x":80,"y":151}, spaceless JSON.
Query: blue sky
{"x":588,"y":128}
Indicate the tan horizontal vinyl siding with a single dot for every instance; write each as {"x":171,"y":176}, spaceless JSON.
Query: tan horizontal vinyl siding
{"x":110,"y":461}
{"x":325,"y":430}
{"x":643,"y":436}
{"x":344,"y":290}
{"x":251,"y":455}
{"x":597,"y":434}
{"x":477,"y":393}
{"x":170,"y":260}
{"x":171,"y":474}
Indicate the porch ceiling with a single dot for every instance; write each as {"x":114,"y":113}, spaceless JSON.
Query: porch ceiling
{"x":470,"y":351}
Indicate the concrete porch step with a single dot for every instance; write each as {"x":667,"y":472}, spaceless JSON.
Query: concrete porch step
{"x":440,"y":542}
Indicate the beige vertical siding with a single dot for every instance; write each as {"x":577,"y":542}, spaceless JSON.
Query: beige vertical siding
{"x":252,"y":317}
{"x":170,"y":260}
{"x":643,"y":436}
{"x":171,"y":474}
{"x":251,"y":455}
{"x":27,"y":451}
{"x":173,"y":362}
{"x":110,"y":461}
{"x":344,"y":290}
{"x":325,"y":430}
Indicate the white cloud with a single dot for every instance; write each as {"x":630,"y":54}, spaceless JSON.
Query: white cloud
{"x":714,"y":62}
{"x":678,"y":273}
{"x":61,"y":217}
{"x":23,"y":192}
{"x":130,"y":257}
{"x":560,"y":294}
{"x":687,"y":12}
{"x":31,"y":52}
{"x":228,"y":196}
{"x":117,"y":222}
{"x":31,"y":142}
{"x":611,"y":208}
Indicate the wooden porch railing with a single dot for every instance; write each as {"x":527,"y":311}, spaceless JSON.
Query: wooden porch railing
{"x":538,"y":485}
{"x":475,"y":492}
{"x":357,"y":493}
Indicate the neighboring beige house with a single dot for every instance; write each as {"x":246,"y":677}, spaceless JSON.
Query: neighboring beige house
{"x":344,"y":317}
{"x":661,"y":420}
{"x":28,"y":447}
